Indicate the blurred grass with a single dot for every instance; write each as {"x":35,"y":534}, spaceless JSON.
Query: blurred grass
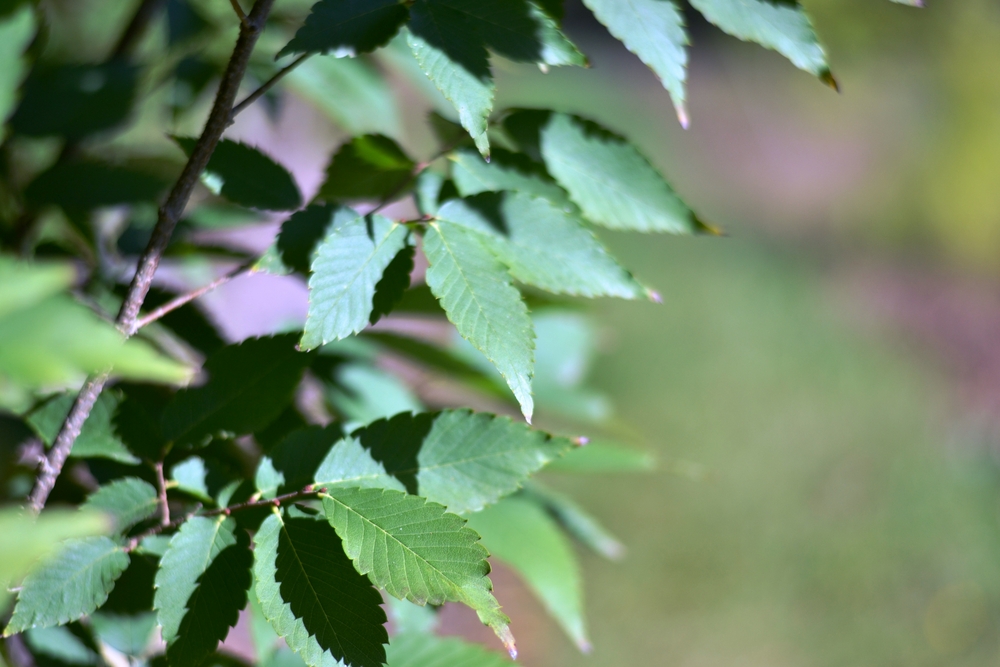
{"x":835,"y":527}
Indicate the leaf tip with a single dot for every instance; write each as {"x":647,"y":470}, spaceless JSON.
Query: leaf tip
{"x":581,"y":441}
{"x":682,"y":116}
{"x":584,"y":645}
{"x":507,"y":637}
{"x":654,"y":296}
{"x":827,"y":77}
{"x":702,"y":227}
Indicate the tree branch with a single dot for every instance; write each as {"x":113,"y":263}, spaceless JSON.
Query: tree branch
{"x":267,"y":85}
{"x":170,"y":212}
{"x":239,"y":12}
{"x":173,"y":207}
{"x":161,"y":488}
{"x":184,"y":299}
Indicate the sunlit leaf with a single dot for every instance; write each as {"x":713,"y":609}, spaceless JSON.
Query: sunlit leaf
{"x":349,"y":264}
{"x":69,"y":584}
{"x":415,"y":550}
{"x":654,"y":31}
{"x":476,"y":292}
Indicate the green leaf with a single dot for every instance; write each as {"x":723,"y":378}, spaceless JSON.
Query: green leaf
{"x":69,"y":585}
{"x":348,"y":27}
{"x":454,"y":58}
{"x":426,"y":650}
{"x":408,"y":618}
{"x":350,"y":91}
{"x":553,"y":8}
{"x":457,"y":458}
{"x":201,"y":587}
{"x":517,"y":30}
{"x":415,"y":550}
{"x":394,"y":283}
{"x":476,"y":292}
{"x":75,"y":100}
{"x":313,"y":596}
{"x":248,"y":385}
{"x":438,"y":359}
{"x":522,"y":535}
{"x":782,"y":26}
{"x":431,"y":189}
{"x":129,"y":634}
{"x":295,"y":459}
{"x":295,"y":247}
{"x":654,"y":31}
{"x":97,"y":438}
{"x":129,"y":501}
{"x":349,"y":464}
{"x":245,"y":176}
{"x":24,"y":284}
{"x":88,"y":184}
{"x":607,"y":177}
{"x":349,"y":264}
{"x":603,"y":457}
{"x":505,"y":171}
{"x":363,"y":393}
{"x":542,"y":245}
{"x":39,"y":536}
{"x":137,"y":422}
{"x":36,"y":352}
{"x":191,"y":476}
{"x":62,"y":645}
{"x":576,"y":520}
{"x":17,"y":29}
{"x":371,"y":166}
{"x":450,"y":38}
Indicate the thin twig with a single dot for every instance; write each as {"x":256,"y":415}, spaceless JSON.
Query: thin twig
{"x":277,"y":501}
{"x":161,"y":487}
{"x":267,"y":85}
{"x":184,"y":299}
{"x":136,"y":28}
{"x":170,"y":212}
{"x":239,"y":12}
{"x":307,"y":492}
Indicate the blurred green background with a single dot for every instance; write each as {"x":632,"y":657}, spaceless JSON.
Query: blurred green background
{"x":847,"y":513}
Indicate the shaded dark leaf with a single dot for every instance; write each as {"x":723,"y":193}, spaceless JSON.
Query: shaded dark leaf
{"x":348,"y":27}
{"x":368,"y":167}
{"x":244,"y":175}
{"x":75,"y":100}
{"x":86,"y":185}
{"x":249,"y":384}
{"x":394,"y":283}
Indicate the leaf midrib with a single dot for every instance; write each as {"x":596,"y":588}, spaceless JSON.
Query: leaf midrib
{"x":302,"y":569}
{"x":472,"y":293}
{"x":458,"y":587}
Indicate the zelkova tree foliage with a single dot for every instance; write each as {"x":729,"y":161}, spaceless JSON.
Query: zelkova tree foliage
{"x":299,"y":478}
